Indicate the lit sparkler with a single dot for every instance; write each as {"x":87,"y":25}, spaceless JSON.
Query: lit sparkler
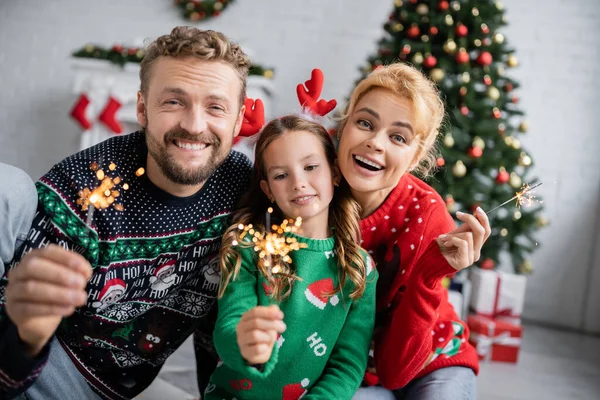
{"x":524,"y":197}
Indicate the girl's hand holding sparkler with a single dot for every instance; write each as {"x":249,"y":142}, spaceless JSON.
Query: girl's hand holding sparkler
{"x":257,"y":333}
{"x":462,"y":246}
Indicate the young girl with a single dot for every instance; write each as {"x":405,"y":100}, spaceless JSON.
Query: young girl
{"x":306,"y":329}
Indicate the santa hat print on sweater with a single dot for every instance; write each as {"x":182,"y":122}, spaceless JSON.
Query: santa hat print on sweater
{"x":295,"y":391}
{"x":316,"y":293}
{"x":165,"y":269}
{"x":114,"y":286}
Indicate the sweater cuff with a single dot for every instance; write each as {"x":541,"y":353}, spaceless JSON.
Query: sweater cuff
{"x":19,"y":366}
{"x":436,"y":266}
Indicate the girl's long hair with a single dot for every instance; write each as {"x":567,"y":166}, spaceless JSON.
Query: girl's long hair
{"x":344,"y":216}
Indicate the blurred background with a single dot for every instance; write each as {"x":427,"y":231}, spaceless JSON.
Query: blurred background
{"x":53,"y":104}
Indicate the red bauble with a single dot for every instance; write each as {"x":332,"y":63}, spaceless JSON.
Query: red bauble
{"x":462,"y":57}
{"x":497,"y":113}
{"x":118,"y":48}
{"x":132,"y":51}
{"x":502,"y":177}
{"x":487,"y":80}
{"x":443,"y":5}
{"x":440,"y":161}
{"x":487,"y":263}
{"x":464,"y":110}
{"x":413,"y":31}
{"x":461,"y":30}
{"x":508,"y":87}
{"x":475,"y":152}
{"x":429,"y":62}
{"x":433,"y":30}
{"x":485,"y":58}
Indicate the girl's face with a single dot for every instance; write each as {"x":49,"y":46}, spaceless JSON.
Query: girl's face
{"x":378,"y":144}
{"x":300,"y":180}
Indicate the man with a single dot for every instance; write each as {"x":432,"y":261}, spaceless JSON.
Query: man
{"x":118,"y":268}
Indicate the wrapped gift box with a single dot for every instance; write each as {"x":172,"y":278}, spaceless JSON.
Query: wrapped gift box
{"x":497,"y":294}
{"x":495,"y":340}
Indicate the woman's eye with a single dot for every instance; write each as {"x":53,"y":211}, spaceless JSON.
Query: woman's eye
{"x":363,"y":123}
{"x":398,"y":138}
{"x":310,"y":167}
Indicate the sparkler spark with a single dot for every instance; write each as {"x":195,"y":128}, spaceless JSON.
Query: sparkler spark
{"x":524,"y":197}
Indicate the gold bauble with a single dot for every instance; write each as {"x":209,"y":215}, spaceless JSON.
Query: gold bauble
{"x":523,"y":127}
{"x":397,"y":27}
{"x":268,"y":74}
{"x":500,"y":70}
{"x":218,"y":6}
{"x":449,"y":20}
{"x":437,"y":74}
{"x":450,"y":46}
{"x":493,"y":93}
{"x":499,"y":5}
{"x":466,"y":77}
{"x":516,"y":143}
{"x":515,"y":180}
{"x":509,"y":140}
{"x":425,"y":38}
{"x":512,"y":61}
{"x":475,"y":11}
{"x":398,"y":3}
{"x":541,"y":221}
{"x":477,"y":43}
{"x":418,"y":58}
{"x":524,"y":160}
{"x":448,"y":140}
{"x":526,"y":267}
{"x":517,"y":215}
{"x":503,"y":232}
{"x":478,"y":142}
{"x":455,"y":5}
{"x":499,"y":38}
{"x":89,"y":48}
{"x":422,"y":9}
{"x":459,"y":169}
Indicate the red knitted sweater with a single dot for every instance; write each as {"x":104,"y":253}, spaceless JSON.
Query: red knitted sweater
{"x":417,"y":329}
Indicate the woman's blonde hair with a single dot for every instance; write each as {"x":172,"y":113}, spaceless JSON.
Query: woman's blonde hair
{"x":344,"y":217}
{"x":409,"y":83}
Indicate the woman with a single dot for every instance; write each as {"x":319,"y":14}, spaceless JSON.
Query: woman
{"x":389,"y":129}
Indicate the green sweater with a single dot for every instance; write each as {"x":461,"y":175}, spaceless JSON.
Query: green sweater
{"x":323,"y":352}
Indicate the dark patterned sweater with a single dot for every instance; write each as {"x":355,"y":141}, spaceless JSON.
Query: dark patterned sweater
{"x":154,"y":258}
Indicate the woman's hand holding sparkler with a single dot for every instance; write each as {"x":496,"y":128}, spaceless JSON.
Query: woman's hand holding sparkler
{"x":46,"y":286}
{"x":257,"y":333}
{"x":462,"y":246}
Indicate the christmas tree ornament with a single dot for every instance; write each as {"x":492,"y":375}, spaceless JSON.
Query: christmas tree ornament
{"x":517,"y":215}
{"x":397,"y":27}
{"x":508,"y":140}
{"x":516,"y":143}
{"x":450,"y":46}
{"x":418,"y":58}
{"x":440,"y":162}
{"x":398,"y":3}
{"x":515,"y":180}
{"x":524,"y":160}
{"x":466,"y":77}
{"x":430,"y":61}
{"x":502,"y":176}
{"x":406,"y":49}
{"x":503,"y":232}
{"x":498,"y":38}
{"x":501,"y":128}
{"x":477,"y":43}
{"x":475,"y":152}
{"x":484,"y":58}
{"x":487,"y":80}
{"x":437,"y":74}
{"x":508,"y":87}
{"x":424,"y":38}
{"x":485,"y":29}
{"x":413,"y":32}
{"x":487,"y":263}
{"x":455,"y":5}
{"x":448,"y":140}
{"x":526,"y":267}
{"x":493,"y":93}
{"x":462,"y":91}
{"x":450,"y":204}
{"x":443,"y":5}
{"x":514,"y":100}
{"x":464,"y":110}
{"x":461,"y":30}
{"x":459,"y":169}
{"x":449,"y":20}
{"x":523,"y":127}
{"x":478,"y":142}
{"x":500,"y":70}
{"x":512,"y":61}
{"x":462,"y":57}
{"x":475,"y":11}
{"x":499,"y":5}
{"x":422,"y":9}
{"x":496,"y":112}
{"x":541,"y":221}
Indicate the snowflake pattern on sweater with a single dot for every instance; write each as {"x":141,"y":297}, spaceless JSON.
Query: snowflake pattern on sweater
{"x":412,"y":305}
{"x":155,"y":263}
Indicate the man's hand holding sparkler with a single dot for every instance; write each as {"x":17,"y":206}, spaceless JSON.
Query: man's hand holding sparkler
{"x":462,"y":246}
{"x":257,"y":333}
{"x":46,"y":286}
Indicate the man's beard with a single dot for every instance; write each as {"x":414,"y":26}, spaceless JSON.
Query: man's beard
{"x":178,"y":173}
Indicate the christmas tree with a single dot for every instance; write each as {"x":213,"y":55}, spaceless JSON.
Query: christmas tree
{"x":481,"y":162}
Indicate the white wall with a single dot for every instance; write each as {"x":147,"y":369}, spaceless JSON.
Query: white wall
{"x":559,"y":73}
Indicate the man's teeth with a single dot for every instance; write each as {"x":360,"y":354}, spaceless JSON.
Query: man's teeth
{"x":365,"y":161}
{"x":190,"y":146}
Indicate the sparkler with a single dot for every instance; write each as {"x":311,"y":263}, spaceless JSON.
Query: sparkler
{"x":524,"y":197}
{"x":273,"y":243}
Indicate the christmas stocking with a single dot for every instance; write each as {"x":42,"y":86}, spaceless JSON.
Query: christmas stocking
{"x":78,"y":111}
{"x":108,"y":115}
